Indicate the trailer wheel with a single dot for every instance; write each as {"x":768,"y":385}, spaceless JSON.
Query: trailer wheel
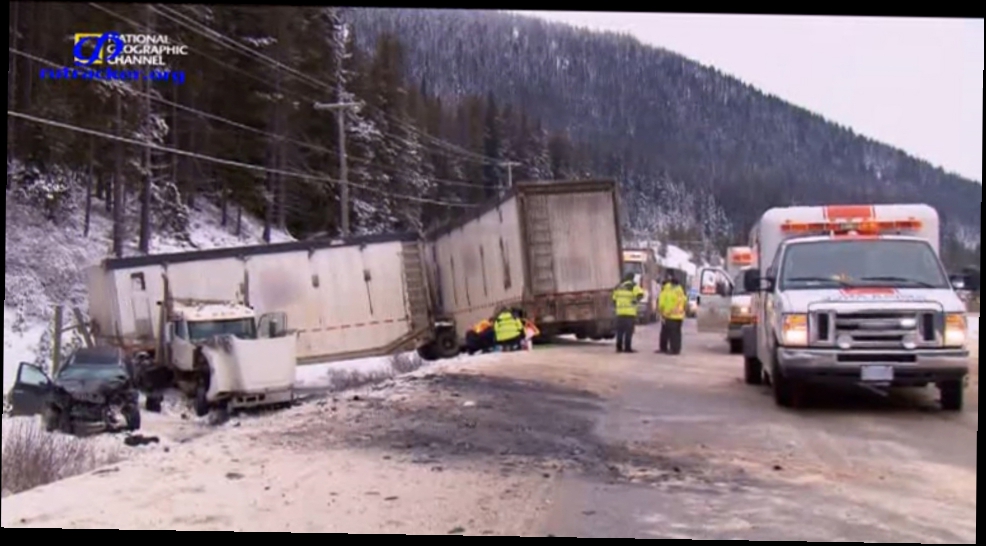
{"x":154,"y":403}
{"x":446,"y":344}
{"x":427,"y":352}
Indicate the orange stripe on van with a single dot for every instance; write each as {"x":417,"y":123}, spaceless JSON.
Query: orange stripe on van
{"x":850,"y":212}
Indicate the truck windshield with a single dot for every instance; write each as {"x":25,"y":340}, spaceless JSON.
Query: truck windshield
{"x":869,"y":263}
{"x":635,"y":268}
{"x":240,"y":328}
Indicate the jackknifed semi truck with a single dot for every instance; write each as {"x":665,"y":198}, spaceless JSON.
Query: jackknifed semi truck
{"x":230,"y":326}
{"x":552,"y":249}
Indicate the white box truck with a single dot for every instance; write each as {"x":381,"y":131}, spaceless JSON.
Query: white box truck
{"x":552,"y":249}
{"x":854,"y":295}
{"x":725,"y":307}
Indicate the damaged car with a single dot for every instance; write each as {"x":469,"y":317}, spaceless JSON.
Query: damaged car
{"x":94,"y":389}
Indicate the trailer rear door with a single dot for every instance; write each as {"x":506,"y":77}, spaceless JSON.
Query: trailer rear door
{"x":572,"y":235}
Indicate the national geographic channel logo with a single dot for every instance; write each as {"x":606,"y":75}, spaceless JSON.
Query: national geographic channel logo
{"x":113,"y":48}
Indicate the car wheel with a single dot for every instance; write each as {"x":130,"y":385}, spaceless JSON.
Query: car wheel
{"x":736,"y":346}
{"x":132,"y":418}
{"x":51,"y":421}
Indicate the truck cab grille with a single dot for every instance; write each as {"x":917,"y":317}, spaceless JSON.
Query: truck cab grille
{"x":890,"y":330}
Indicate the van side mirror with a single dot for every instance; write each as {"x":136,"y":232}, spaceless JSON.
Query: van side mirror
{"x":751,"y":280}
{"x":972,"y":282}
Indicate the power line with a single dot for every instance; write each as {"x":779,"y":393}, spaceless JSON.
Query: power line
{"x":220,"y":119}
{"x":233,"y":45}
{"x":226,"y":162}
{"x":241,"y":48}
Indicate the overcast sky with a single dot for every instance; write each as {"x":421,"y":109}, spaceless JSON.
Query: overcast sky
{"x":916,"y":84}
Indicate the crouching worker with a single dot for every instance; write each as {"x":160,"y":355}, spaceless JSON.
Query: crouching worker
{"x":509,"y":331}
{"x":481,"y":339}
{"x":531,"y":331}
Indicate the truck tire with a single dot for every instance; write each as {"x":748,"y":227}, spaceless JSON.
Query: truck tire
{"x":735,"y":346}
{"x":446,"y":344}
{"x":754,"y":371}
{"x":952,"y":396}
{"x":201,"y":401}
{"x":783,"y":388}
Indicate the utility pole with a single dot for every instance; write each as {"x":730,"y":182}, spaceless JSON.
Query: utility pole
{"x":341,"y":109}
{"x":145,"y":198}
{"x":12,"y":86}
{"x":510,"y":172}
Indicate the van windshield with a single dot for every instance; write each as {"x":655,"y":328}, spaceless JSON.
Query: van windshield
{"x":240,"y":328}
{"x":869,"y":263}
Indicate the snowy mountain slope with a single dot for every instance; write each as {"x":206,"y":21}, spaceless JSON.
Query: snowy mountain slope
{"x":44,"y":265}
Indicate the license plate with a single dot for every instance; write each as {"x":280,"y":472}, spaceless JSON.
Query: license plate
{"x":878,"y":374}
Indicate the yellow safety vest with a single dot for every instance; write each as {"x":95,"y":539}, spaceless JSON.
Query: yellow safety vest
{"x":508,"y":327}
{"x":673,"y":302}
{"x":626,"y":297}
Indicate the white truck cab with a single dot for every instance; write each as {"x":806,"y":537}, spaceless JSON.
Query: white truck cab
{"x":642,"y":263}
{"x":228,"y":357}
{"x":725,"y":306}
{"x":854,"y":294}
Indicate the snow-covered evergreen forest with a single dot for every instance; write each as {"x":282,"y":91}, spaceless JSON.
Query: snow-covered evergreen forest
{"x":444,"y":100}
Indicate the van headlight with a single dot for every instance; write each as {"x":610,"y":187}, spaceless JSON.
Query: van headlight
{"x":956,"y":330}
{"x":794,"y":330}
{"x":740,"y":311}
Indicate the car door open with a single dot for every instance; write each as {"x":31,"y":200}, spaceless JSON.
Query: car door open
{"x":713,"y":309}
{"x":30,"y":392}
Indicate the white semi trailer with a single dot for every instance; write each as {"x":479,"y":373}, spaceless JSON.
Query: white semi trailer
{"x":552,"y":249}
{"x":342,"y":300}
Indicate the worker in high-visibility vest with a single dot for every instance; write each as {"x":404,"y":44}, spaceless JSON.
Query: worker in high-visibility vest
{"x":509,"y":330}
{"x":481,"y":338}
{"x":673,"y":303}
{"x":626,"y":297}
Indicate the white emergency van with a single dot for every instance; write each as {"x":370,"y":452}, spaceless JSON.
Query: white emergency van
{"x":724,"y":304}
{"x":854,"y":294}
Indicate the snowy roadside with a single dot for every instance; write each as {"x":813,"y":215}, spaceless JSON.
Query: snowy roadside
{"x":254,"y":473}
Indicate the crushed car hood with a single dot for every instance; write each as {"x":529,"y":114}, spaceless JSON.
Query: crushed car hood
{"x":88,"y":387}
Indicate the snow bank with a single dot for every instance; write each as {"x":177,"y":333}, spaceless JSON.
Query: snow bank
{"x":20,"y":344}
{"x":678,"y":258}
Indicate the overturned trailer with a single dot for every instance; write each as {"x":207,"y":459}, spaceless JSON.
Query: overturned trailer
{"x":344,"y":299}
{"x":552,"y":249}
